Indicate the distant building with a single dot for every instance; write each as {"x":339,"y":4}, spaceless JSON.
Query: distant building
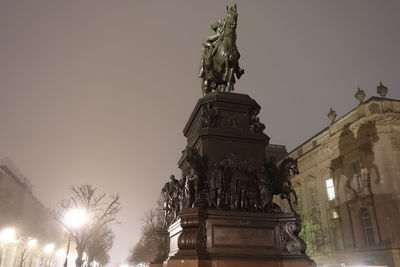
{"x":22,"y":211}
{"x":349,"y":186}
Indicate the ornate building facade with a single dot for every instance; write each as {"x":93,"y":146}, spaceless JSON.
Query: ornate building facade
{"x":349,"y":186}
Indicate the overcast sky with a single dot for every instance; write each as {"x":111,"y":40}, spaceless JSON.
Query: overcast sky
{"x":98,"y":91}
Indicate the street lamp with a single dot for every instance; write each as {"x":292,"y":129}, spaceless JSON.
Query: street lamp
{"x":31,"y":243}
{"x":74,"y":219}
{"x":7,"y":235}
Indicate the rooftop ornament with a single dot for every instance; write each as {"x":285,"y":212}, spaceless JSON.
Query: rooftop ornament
{"x":332,"y":115}
{"x":220,"y":58}
{"x":382,"y":90}
{"x":360,"y":95}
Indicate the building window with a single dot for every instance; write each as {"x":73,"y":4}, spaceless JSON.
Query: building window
{"x":330,"y":189}
{"x":358,"y":178}
{"x":335,"y":214}
{"x":367,"y":227}
{"x":313,"y":196}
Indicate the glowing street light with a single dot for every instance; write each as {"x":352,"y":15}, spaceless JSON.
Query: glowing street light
{"x":31,"y":243}
{"x":8,"y":235}
{"x":74,"y":218}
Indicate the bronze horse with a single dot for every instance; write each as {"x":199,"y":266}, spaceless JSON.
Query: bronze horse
{"x":281,"y":184}
{"x":221,"y":57}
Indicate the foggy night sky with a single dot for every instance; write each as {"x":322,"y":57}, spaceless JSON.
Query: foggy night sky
{"x":99,"y":91}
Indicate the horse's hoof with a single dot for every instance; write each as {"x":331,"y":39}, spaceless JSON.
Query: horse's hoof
{"x":240,"y":73}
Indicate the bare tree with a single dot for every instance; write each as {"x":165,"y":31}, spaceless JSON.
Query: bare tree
{"x":104,"y":259}
{"x":102,"y":210}
{"x":146,"y":248}
{"x":99,"y":244}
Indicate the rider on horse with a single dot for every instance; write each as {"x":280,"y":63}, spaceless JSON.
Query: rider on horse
{"x":220,"y":58}
{"x":209,"y":45}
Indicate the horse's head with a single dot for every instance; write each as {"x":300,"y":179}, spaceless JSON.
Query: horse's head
{"x":231,"y":19}
{"x":290,"y":165}
{"x":293,"y":167}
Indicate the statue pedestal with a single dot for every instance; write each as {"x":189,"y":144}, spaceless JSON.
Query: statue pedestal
{"x":238,"y":263}
{"x":222,"y":124}
{"x":205,"y":238}
{"x":224,"y":198}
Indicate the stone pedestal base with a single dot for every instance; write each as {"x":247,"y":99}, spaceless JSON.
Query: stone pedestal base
{"x":156,"y":264}
{"x":238,"y":263}
{"x":216,"y":238}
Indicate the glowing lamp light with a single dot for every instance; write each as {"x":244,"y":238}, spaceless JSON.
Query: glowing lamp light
{"x":48,"y":249}
{"x":123,"y":265}
{"x":31,"y":243}
{"x":75,"y":218}
{"x":8,"y":235}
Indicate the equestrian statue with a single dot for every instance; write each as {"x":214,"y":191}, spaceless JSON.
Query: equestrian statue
{"x":280,"y":176}
{"x":220,"y":58}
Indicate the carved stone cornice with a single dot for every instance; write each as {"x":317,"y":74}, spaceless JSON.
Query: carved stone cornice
{"x":310,"y":156}
{"x":376,"y":119}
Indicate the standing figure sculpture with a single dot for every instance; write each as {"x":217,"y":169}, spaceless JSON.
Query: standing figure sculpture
{"x":196,"y":177}
{"x":216,"y":187}
{"x":166,"y":193}
{"x":220,"y":59}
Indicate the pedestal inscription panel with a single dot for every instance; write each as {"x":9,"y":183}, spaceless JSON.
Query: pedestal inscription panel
{"x":242,"y":237}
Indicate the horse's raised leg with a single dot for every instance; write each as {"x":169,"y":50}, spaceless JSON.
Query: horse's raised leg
{"x":230,"y":80}
{"x":289,"y":198}
{"x":295,"y":197}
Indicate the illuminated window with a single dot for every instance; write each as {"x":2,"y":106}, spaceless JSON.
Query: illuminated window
{"x":335,"y":214}
{"x":367,"y":227}
{"x":330,"y":189}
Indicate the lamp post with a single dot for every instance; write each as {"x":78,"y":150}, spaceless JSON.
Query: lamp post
{"x":74,"y":219}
